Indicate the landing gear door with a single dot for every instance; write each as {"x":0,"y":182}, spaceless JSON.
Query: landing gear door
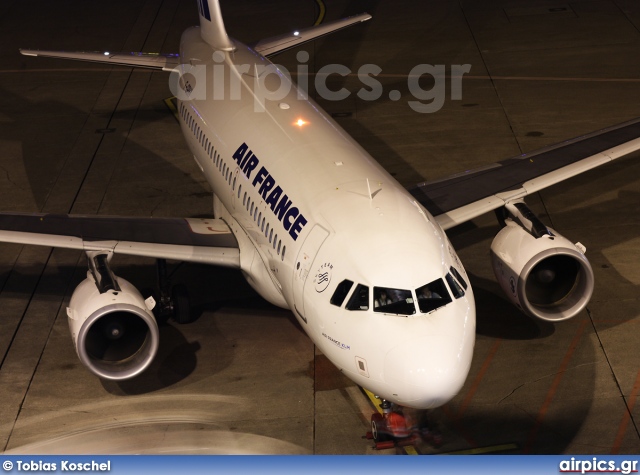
{"x":303,"y":263}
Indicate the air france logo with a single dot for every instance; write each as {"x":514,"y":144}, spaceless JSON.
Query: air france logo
{"x":273,"y":195}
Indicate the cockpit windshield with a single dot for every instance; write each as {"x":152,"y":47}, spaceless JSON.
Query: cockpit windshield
{"x":389,"y":300}
{"x":396,"y":301}
{"x":432,"y":296}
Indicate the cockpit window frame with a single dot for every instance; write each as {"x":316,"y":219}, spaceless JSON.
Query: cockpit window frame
{"x":454,"y":286}
{"x":354,"y":303}
{"x":459,"y":277}
{"x":431,"y":304}
{"x":340,"y":294}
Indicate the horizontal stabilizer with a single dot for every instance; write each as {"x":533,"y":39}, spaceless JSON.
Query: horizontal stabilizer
{"x":165,"y":62}
{"x":278,"y":44}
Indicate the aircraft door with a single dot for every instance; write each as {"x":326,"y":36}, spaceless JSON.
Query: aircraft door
{"x":303,"y":263}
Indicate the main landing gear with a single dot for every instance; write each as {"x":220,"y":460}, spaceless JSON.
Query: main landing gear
{"x":172,"y":301}
{"x":394,"y":428}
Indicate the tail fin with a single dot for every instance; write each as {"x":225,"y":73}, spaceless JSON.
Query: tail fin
{"x":212,"y":27}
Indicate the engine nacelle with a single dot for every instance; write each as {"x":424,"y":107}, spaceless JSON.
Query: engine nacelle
{"x":116,"y":336}
{"x":547,"y":277}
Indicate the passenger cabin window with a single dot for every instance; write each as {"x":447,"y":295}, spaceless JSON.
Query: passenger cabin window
{"x":432,"y":296}
{"x":458,"y":277}
{"x":398,"y":301}
{"x":342,"y":290}
{"x":454,"y":286}
{"x":360,"y":298}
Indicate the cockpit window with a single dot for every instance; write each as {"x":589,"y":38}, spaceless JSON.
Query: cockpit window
{"x":360,"y":298}
{"x":454,"y":286}
{"x":342,"y":290}
{"x":432,"y":296}
{"x":397,"y":301}
{"x":458,"y":277}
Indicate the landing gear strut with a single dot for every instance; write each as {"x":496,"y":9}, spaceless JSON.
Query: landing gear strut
{"x":172,"y":301}
{"x":393,"y":428}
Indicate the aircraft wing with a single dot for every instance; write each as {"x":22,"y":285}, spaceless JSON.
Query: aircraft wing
{"x":207,"y":241}
{"x":464,"y":196}
{"x":165,"y":62}
{"x":277,"y":44}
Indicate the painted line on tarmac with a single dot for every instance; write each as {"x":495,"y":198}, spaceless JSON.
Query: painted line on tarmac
{"x":554,"y":387}
{"x":410,"y":450}
{"x":169,"y":102}
{"x":627,"y":416}
{"x":455,"y":422}
{"x":374,"y":400}
{"x":483,"y":450}
{"x":478,"y":379}
{"x":456,"y":418}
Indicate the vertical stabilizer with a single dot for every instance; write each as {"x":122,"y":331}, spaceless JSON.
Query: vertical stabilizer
{"x":212,"y":26}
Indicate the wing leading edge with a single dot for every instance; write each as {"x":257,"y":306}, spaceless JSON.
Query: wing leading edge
{"x":165,"y":62}
{"x":464,"y":196}
{"x":208,"y":241}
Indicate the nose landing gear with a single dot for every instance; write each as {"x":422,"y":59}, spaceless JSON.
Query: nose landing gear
{"x":393,"y":428}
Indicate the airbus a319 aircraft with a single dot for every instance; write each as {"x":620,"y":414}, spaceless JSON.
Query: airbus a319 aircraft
{"x":317,"y":226}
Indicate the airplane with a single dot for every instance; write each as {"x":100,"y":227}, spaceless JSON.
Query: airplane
{"x":317,"y":226}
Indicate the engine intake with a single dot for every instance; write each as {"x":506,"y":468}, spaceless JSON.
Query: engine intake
{"x":116,"y":336}
{"x":547,"y":277}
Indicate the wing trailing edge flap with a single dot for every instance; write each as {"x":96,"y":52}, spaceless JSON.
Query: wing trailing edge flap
{"x":207,"y":241}
{"x":165,"y":62}
{"x":459,"y":198}
{"x":278,"y":44}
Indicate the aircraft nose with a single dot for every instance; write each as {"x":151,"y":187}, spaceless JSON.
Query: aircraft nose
{"x":428,"y":371}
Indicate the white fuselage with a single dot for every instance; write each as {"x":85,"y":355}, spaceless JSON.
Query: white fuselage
{"x":311,"y":209}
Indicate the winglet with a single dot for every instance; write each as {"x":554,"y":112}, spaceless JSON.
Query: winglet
{"x":212,"y":27}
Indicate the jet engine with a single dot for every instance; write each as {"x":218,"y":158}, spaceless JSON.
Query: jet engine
{"x":543,"y":273}
{"x":113,"y":329}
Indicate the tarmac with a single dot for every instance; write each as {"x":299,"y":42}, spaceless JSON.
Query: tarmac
{"x":244,"y":378}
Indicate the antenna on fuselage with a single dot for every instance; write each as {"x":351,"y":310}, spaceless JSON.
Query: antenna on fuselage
{"x":212,"y":27}
{"x":372,"y":195}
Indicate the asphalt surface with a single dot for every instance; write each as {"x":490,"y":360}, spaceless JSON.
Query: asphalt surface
{"x":244,"y":378}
